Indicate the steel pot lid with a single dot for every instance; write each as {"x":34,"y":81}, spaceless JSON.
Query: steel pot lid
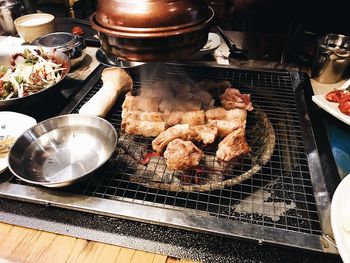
{"x":151,"y":15}
{"x":58,"y":40}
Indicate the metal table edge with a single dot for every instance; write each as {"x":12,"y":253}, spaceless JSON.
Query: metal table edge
{"x":161,"y":216}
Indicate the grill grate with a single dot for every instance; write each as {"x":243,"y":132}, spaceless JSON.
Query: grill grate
{"x":280,"y":195}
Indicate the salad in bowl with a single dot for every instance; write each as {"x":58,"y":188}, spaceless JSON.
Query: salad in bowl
{"x":30,"y":71}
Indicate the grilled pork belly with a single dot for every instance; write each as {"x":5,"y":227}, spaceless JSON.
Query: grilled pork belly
{"x":182,"y":155}
{"x":226,"y":120}
{"x":142,"y":116}
{"x":233,"y":99}
{"x":179,"y":113}
{"x":184,"y":117}
{"x":205,"y":133}
{"x":145,"y":128}
{"x":233,"y":145}
{"x":138,"y":103}
{"x":181,"y":131}
{"x":200,"y":133}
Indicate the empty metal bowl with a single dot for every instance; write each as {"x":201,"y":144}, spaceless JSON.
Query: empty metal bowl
{"x":62,"y":150}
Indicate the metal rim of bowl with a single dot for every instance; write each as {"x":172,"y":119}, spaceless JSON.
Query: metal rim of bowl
{"x":68,"y":182}
{"x":149,"y":34}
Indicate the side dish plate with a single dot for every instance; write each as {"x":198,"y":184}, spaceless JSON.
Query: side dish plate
{"x":12,"y":125}
{"x":5,"y":60}
{"x":331,"y":107}
{"x":340,"y":218}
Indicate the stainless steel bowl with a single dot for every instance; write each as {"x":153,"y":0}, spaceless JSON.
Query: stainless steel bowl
{"x":62,"y":150}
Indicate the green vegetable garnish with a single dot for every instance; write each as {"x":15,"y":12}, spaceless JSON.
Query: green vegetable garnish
{"x":19,"y":79}
{"x":7,"y":86}
{"x":3,"y":69}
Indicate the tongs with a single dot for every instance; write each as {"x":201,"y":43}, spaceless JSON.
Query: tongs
{"x":235,"y":52}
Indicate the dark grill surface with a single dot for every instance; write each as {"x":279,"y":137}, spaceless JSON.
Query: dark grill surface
{"x":280,"y":195}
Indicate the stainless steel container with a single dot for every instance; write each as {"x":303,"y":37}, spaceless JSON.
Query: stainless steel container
{"x":72,"y":45}
{"x":332,"y":58}
{"x":9,"y":11}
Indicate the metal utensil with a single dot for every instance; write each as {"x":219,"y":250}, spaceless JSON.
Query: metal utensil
{"x":9,"y":11}
{"x":235,"y":52}
{"x":62,"y":150}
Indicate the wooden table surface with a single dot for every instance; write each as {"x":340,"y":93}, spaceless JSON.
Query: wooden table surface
{"x":20,"y":244}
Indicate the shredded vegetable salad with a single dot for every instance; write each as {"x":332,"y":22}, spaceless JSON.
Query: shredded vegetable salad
{"x":31,"y":71}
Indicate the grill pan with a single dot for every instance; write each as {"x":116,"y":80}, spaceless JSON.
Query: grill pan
{"x":285,"y":202}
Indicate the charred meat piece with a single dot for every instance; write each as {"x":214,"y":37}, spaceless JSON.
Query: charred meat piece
{"x":233,"y":145}
{"x":204,"y":133}
{"x":182,"y":155}
{"x":233,"y":99}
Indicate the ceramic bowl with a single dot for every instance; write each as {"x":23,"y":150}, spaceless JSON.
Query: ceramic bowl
{"x":33,"y":26}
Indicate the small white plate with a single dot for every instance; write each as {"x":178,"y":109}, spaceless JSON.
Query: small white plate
{"x":213,"y":43}
{"x":331,"y":107}
{"x":13,"y":124}
{"x":340,"y":218}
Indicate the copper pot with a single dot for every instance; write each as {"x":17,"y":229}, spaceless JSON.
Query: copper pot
{"x":152,"y":30}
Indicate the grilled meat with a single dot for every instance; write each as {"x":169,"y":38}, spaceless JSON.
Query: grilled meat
{"x":182,"y":131}
{"x":182,"y":155}
{"x":204,"y":133}
{"x":233,"y":99}
{"x":138,"y":103}
{"x":233,"y":145}
{"x":143,"y":116}
{"x":145,"y":128}
{"x":226,"y":120}
{"x":184,"y":117}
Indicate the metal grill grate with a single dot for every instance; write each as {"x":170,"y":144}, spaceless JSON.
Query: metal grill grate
{"x":280,"y":195}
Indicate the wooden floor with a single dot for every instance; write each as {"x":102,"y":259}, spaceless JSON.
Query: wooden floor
{"x":20,"y":244}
